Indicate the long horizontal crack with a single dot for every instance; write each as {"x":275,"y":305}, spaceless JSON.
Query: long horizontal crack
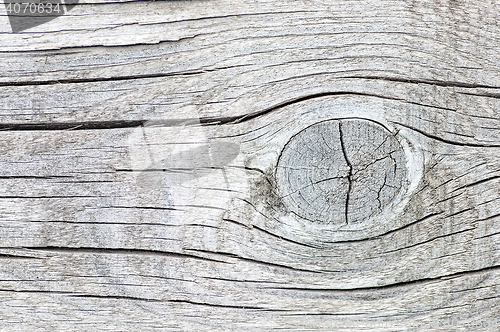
{"x":9,"y":256}
{"x":208,"y":121}
{"x":477,"y":182}
{"x":90,"y":125}
{"x":123,"y":251}
{"x":218,"y":305}
{"x":160,"y":42}
{"x":379,"y":237}
{"x":100,"y":79}
{"x":444,"y":140}
{"x":32,"y":177}
{"x":446,"y":84}
{"x":135,"y":298}
{"x":115,"y":78}
{"x":252,"y":260}
{"x":114,"y":297}
{"x":429,"y":240}
{"x":283,"y":238}
{"x":397,"y":284}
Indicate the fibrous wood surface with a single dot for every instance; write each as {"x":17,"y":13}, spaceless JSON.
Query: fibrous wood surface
{"x":252,"y":166}
{"x":341,"y":171}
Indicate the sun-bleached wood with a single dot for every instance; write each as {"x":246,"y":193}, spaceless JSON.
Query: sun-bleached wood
{"x":145,"y":156}
{"x":341,"y":171}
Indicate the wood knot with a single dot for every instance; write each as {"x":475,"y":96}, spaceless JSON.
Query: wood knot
{"x":341,"y":171}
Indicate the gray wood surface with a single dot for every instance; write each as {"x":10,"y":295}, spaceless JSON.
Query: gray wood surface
{"x":252,"y":166}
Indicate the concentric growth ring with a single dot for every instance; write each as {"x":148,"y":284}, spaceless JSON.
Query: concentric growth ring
{"x":341,"y":171}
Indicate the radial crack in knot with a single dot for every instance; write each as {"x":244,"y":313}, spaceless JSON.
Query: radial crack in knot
{"x":341,"y":171}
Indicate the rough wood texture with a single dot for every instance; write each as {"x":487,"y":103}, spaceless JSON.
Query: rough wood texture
{"x":341,"y":171}
{"x":155,"y":160}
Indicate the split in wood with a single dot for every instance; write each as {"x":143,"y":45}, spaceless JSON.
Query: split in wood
{"x":341,"y":171}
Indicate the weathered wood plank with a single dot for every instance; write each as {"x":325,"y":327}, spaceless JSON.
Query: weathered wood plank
{"x":97,"y":218}
{"x":338,"y":43}
{"x":143,"y":153}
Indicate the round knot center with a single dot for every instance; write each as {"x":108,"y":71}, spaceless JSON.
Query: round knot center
{"x":341,"y":171}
